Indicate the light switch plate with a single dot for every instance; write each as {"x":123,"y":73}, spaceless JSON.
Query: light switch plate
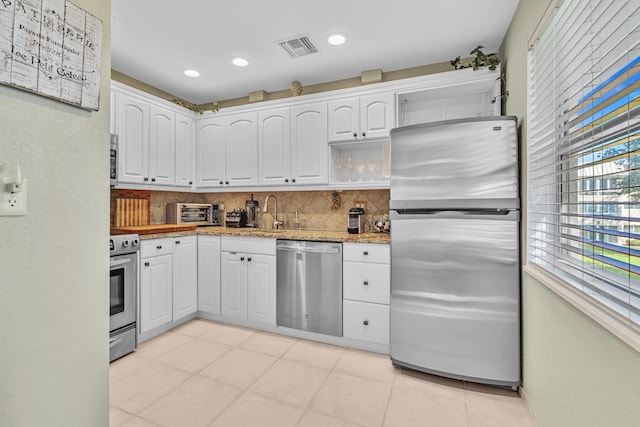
{"x":13,"y":204}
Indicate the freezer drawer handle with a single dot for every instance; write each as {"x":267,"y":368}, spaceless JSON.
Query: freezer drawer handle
{"x":366,"y":283}
{"x":366,"y":323}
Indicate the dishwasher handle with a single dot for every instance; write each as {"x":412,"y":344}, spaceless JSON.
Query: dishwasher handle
{"x":316,"y":249}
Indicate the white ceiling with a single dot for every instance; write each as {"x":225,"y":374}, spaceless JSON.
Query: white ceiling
{"x":154,"y":40}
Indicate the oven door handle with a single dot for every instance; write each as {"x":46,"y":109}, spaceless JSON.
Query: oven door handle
{"x":114,"y":341}
{"x":118,"y":262}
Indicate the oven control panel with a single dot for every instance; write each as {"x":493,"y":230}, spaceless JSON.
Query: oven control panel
{"x":123,"y":244}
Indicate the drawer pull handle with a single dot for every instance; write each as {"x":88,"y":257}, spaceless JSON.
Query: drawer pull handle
{"x":241,"y":258}
{"x":366,"y":323}
{"x":177,"y":242}
{"x":366,"y":283}
{"x":159,"y":247}
{"x":249,"y":259}
{"x":146,"y":264}
{"x":365,"y":253}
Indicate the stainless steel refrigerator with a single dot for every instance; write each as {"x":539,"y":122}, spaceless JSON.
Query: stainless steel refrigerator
{"x":455,"y":270}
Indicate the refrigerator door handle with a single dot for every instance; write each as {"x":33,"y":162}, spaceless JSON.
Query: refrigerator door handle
{"x":488,"y":214}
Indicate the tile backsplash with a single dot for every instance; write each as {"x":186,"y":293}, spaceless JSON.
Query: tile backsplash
{"x":317,"y":210}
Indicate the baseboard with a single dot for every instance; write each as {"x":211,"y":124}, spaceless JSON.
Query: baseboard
{"x":527,"y":404}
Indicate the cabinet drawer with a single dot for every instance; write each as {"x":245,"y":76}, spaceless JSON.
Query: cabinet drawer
{"x":366,"y":282}
{"x":366,"y":252}
{"x":155,"y":247}
{"x":251,"y":245}
{"x":366,"y":322}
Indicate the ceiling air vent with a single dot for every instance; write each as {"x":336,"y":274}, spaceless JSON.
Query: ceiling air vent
{"x":299,"y":46}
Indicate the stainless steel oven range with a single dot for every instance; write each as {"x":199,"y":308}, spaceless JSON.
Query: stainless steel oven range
{"x":123,"y":287}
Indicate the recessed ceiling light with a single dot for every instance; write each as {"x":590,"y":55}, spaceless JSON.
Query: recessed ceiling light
{"x":240,"y":62}
{"x":336,"y":39}
{"x":191,"y":73}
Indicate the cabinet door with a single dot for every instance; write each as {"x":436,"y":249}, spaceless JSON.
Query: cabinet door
{"x":261,"y":288}
{"x":112,"y":111}
{"x":344,"y":119}
{"x":366,"y":322}
{"x":233,"y":279}
{"x":309,"y":147}
{"x":162,"y":145}
{"x":274,"y":145}
{"x":132,"y":125}
{"x":210,"y":154}
{"x":209,"y":274}
{"x":366,"y":282}
{"x":241,"y":167}
{"x":185,"y":276}
{"x":156,"y":276}
{"x":376,"y":115}
{"x":185,"y":144}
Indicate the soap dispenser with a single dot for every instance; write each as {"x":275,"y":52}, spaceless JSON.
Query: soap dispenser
{"x":296,"y":223}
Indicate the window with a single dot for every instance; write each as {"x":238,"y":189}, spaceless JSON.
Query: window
{"x":584,"y":151}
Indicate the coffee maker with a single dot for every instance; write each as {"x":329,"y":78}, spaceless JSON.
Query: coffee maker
{"x":356,"y":222}
{"x":251,"y":206}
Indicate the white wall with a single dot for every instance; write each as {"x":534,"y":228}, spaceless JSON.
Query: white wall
{"x":575,"y":373}
{"x":54,"y":261}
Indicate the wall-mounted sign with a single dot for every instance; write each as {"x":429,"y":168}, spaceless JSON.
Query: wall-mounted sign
{"x":53,"y":48}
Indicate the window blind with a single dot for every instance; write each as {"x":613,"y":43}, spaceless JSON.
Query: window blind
{"x":584,"y":151}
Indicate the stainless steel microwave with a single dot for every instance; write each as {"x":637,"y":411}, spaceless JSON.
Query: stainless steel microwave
{"x":114,"y":160}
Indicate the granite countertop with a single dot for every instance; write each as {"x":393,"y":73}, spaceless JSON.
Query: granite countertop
{"x":314,"y":235}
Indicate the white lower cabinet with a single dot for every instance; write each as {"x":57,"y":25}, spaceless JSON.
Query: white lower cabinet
{"x":156,"y":281}
{"x":168,"y":282}
{"x":248,"y":279}
{"x":185,"y":276}
{"x":209,"y":274}
{"x":365,"y":321}
{"x":261,"y":288}
{"x":366,"y":291}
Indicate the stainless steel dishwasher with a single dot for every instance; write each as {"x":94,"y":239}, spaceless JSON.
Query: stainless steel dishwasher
{"x":309,"y":286}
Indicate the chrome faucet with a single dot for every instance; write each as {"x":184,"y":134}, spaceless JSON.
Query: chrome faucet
{"x":276,"y":223}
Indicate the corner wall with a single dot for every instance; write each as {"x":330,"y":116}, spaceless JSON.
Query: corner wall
{"x":575,"y":373}
{"x":54,"y":318}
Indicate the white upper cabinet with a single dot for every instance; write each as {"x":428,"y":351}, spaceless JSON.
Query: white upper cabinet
{"x":344,"y":119}
{"x":364,"y":117}
{"x":228,"y":151}
{"x":241,"y":153}
{"x":148,"y":134}
{"x":132,"y":126}
{"x":210,"y":153}
{"x":185,"y":144}
{"x":112,"y":111}
{"x":376,"y":115}
{"x":162,"y":146}
{"x":309,"y":149}
{"x":274,"y":147}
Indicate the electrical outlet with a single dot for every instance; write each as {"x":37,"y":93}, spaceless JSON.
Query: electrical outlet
{"x":360,"y":204}
{"x":13,"y":204}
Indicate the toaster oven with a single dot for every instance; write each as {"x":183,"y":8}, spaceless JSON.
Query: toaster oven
{"x":193,"y":213}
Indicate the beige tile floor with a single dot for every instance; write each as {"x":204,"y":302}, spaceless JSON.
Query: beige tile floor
{"x":210,"y":374}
